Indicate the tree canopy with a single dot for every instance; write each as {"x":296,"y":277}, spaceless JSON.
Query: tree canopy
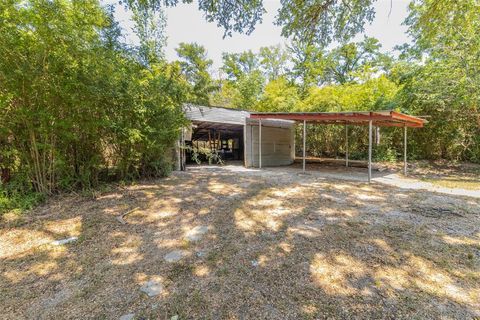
{"x":195,"y":66}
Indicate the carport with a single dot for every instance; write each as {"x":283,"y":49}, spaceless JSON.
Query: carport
{"x":370,"y":118}
{"x":233,"y":136}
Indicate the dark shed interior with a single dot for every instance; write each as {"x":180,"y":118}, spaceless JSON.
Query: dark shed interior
{"x":222,"y":138}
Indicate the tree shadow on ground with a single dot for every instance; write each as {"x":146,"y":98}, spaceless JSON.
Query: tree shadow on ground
{"x":277,"y":246}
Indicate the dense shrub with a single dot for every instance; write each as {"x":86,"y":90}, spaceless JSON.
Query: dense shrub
{"x":76,"y":106}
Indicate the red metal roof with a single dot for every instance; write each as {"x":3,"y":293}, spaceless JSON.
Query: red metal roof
{"x":378,"y":118}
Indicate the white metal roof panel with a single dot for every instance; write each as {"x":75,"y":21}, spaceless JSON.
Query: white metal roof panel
{"x":215,"y":114}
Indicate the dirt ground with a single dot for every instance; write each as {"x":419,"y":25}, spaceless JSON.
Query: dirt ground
{"x":279,"y":245}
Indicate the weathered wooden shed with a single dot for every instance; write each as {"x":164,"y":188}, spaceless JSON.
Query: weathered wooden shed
{"x":234,"y":135}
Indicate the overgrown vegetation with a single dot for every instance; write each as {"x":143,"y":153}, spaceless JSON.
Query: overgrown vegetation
{"x":200,"y":154}
{"x":437,"y":76}
{"x":79,"y":107}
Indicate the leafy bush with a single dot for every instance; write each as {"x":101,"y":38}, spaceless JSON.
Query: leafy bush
{"x":18,"y":195}
{"x":384,"y":153}
{"x":76,"y":105}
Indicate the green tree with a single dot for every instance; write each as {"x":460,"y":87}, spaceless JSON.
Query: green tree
{"x":324,"y":21}
{"x":439,"y":76}
{"x":77,"y":107}
{"x":315,"y":21}
{"x":308,"y":65}
{"x":444,"y":81}
{"x":321,"y":22}
{"x":237,"y":65}
{"x":353,"y":61}
{"x":273,"y":61}
{"x":250,"y":88}
{"x":233,"y":16}
{"x":244,"y":77}
{"x":149,"y":26}
{"x":226,"y":96}
{"x":279,"y":96}
{"x":374,"y":94}
{"x":195,"y":66}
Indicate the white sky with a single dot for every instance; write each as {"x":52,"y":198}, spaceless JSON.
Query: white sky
{"x":185,"y":23}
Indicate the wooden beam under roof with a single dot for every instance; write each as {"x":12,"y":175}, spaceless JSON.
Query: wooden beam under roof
{"x":378,"y":118}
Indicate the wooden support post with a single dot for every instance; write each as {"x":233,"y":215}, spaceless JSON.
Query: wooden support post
{"x":304,"y":140}
{"x":260,"y":143}
{"x":346,"y":145}
{"x":210,"y":140}
{"x":369,"y":151}
{"x":405,"y":150}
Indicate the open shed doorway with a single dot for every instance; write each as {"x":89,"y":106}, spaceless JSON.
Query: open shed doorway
{"x":226,"y":140}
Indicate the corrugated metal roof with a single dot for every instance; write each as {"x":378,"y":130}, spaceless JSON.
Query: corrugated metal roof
{"x":215,"y":114}
{"x":198,"y":113}
{"x":379,"y":118}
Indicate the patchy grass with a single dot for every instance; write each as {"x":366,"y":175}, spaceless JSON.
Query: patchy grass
{"x":279,"y":246}
{"x":18,"y":203}
{"x":455,"y":183}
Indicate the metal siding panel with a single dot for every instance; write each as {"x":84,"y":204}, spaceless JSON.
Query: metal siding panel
{"x":214,"y":114}
{"x":276,"y":146}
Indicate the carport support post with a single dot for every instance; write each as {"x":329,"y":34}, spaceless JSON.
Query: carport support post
{"x":405,"y":150}
{"x":304,"y":139}
{"x":369,"y":151}
{"x":346,"y":145}
{"x":260,"y":143}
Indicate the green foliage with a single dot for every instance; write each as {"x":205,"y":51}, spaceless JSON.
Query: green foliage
{"x":250,"y":88}
{"x":438,"y":76}
{"x":309,"y":65}
{"x":386,"y":153}
{"x":371,"y":93}
{"x":324,"y":21}
{"x":232,"y":16}
{"x":238,"y":65}
{"x":279,"y":95}
{"x":149,"y":26}
{"x":374,"y":94}
{"x":245,"y":81}
{"x":76,"y":107}
{"x":355,"y":61}
{"x":19,"y":202}
{"x":273,"y":61}
{"x":18,"y":195}
{"x":195,"y":66}
{"x":226,"y":95}
{"x":241,"y":94}
{"x":445,"y":85}
{"x":200,"y":153}
{"x":310,"y":21}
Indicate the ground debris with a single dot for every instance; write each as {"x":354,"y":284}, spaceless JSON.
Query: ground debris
{"x":152,"y":288}
{"x":64,"y":241}
{"x":196,"y":233}
{"x":129,"y":316}
{"x":175,"y":256}
{"x":121,"y":217}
